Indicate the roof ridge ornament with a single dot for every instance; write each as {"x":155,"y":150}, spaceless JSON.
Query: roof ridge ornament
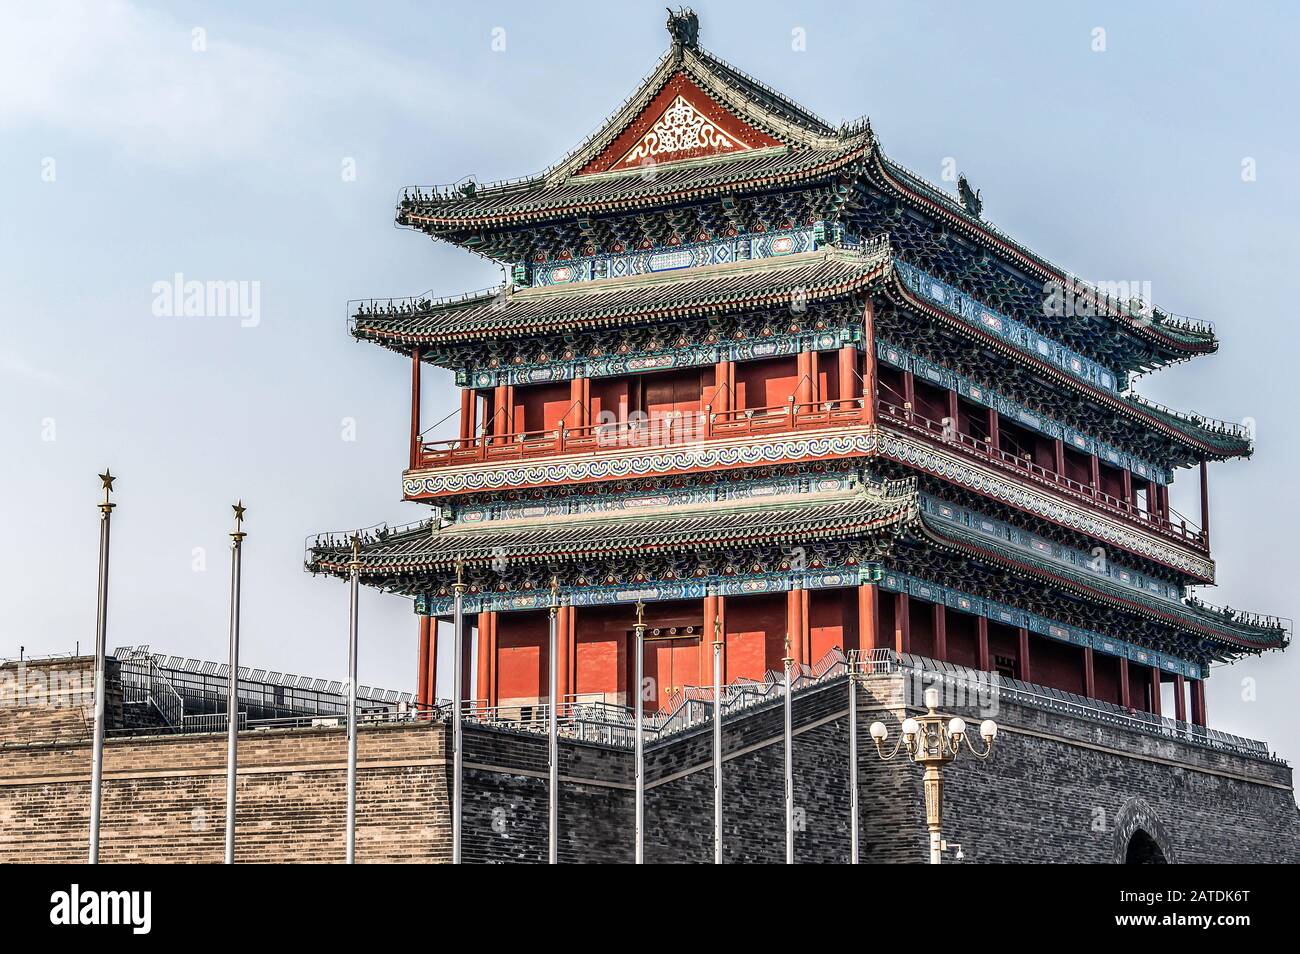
{"x":684,"y":28}
{"x":970,"y":198}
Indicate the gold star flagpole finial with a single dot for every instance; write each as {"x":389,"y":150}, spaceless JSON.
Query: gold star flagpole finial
{"x":239,"y":510}
{"x":107,"y":478}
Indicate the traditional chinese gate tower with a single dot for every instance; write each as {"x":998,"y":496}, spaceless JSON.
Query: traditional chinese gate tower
{"x":748,"y":370}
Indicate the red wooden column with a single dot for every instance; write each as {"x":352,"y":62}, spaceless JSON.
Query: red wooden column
{"x":995,"y":442}
{"x":1094,"y":463}
{"x":424,"y":694}
{"x":982,"y":637}
{"x":804,"y":369}
{"x":723,"y":399}
{"x":954,"y":416}
{"x":814,"y":377}
{"x":868,"y":620}
{"x":1153,"y":498}
{"x":869,"y":363}
{"x":805,"y":625}
{"x":487,"y":658}
{"x":1124,"y":698}
{"x":576,"y":415}
{"x":1153,"y":685}
{"x":902,"y":623}
{"x":940,"y":631}
{"x":1205,"y":501}
{"x":848,"y":374}
{"x":1089,"y":673}
{"x":1026,"y":671}
{"x":467,"y":407}
{"x":500,"y":412}
{"x":563,"y":633}
{"x":415,"y":407}
{"x":1198,"y":703}
{"x":909,"y":394}
{"x":1180,"y":698}
{"x":795,"y":625}
{"x":1059,"y":448}
{"x":1128,"y":489}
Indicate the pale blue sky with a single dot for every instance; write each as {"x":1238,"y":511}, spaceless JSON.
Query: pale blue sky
{"x":225,"y":164}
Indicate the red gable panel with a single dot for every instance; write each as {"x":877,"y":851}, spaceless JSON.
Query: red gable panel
{"x":681,"y":122}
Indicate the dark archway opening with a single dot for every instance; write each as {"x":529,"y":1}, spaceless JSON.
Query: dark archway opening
{"x":1143,"y":850}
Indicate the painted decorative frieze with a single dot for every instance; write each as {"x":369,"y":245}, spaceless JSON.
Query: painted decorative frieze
{"x":720,"y":251}
{"x":1014,"y":332}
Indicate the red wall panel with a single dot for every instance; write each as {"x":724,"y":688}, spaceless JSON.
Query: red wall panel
{"x":767,"y":383}
{"x":521,"y":668}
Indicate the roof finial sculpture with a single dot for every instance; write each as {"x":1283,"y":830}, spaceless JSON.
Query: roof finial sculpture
{"x":970,"y":198}
{"x":684,"y":27}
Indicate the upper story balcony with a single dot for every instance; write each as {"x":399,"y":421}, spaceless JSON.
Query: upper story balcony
{"x":789,"y":409}
{"x":672,"y":428}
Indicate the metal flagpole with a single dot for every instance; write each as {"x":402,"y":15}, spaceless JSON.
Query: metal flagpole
{"x":789,"y":757}
{"x":232,"y":683}
{"x":717,"y":741}
{"x":640,"y":733}
{"x":355,"y":587}
{"x":101,"y":644}
{"x":457,"y":703}
{"x":553,"y":732}
{"x":853,"y":761}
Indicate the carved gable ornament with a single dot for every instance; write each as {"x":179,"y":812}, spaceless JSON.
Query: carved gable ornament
{"x":682,"y":128}
{"x":681,"y":122}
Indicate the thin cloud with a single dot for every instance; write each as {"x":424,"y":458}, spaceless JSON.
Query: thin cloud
{"x":134,"y":78}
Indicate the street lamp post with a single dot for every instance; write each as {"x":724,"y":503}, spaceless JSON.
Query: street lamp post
{"x":933,"y":740}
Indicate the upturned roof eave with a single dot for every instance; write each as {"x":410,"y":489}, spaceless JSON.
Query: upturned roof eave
{"x":1193,"y":620}
{"x":1196,"y":439}
{"x":855,"y":271}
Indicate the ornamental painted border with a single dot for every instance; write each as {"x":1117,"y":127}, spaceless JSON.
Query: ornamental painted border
{"x":667,"y":258}
{"x":922,"y":456}
{"x":1002,"y":533}
{"x":473,"y":478}
{"x":1016,"y":333}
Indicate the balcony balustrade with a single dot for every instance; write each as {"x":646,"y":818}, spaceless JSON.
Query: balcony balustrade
{"x":944,"y":434}
{"x":669,"y":429}
{"x":679,"y":428}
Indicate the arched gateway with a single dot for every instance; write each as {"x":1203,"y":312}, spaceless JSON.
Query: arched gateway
{"x":1140,"y":838}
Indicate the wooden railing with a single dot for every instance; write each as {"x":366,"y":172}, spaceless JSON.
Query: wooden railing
{"x":667,"y":430}
{"x":983,"y":450}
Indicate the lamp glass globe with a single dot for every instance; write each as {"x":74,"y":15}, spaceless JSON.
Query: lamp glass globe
{"x":878,"y":731}
{"x":956,"y":727}
{"x":989,"y":729}
{"x":910,"y":727}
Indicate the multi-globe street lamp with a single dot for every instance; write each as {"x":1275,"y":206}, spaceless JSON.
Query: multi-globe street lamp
{"x":932,"y":740}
